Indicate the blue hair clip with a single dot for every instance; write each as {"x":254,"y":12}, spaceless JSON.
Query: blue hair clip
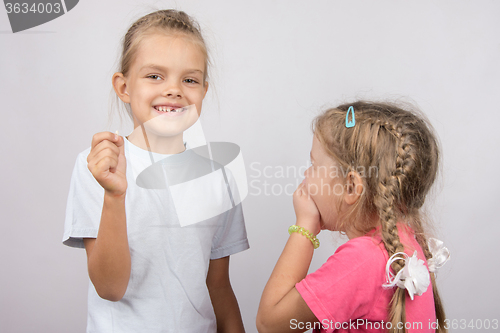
{"x":351,"y":123}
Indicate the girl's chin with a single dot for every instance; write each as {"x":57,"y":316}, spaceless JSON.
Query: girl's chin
{"x":322,"y":223}
{"x":326,"y":226}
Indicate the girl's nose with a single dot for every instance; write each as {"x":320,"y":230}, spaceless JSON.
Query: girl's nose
{"x":172,"y":90}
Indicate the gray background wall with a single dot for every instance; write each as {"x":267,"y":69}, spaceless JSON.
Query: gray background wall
{"x":277,"y":63}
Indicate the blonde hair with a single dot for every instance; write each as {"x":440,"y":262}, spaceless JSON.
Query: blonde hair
{"x":168,"y":22}
{"x":402,"y":147}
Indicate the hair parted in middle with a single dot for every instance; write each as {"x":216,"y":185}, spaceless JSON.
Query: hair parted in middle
{"x":402,"y":147}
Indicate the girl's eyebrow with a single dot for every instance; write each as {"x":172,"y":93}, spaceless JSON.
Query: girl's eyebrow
{"x":194,"y":71}
{"x":153,"y":66}
{"x":164,"y":69}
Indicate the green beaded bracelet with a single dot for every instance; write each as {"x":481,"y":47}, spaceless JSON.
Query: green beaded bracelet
{"x":310,"y":236}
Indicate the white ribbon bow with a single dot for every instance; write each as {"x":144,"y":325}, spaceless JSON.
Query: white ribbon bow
{"x":414,"y":276}
{"x":440,"y":254}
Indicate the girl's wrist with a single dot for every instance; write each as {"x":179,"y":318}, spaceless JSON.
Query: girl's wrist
{"x":309,"y":224}
{"x":305,"y":233}
{"x":114,"y":196}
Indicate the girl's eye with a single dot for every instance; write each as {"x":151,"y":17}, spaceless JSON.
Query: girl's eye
{"x":190,"y":81}
{"x":154,"y":77}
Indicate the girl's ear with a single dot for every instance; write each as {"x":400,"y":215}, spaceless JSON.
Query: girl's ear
{"x":206,"y":89}
{"x":120,"y":86}
{"x":354,"y":187}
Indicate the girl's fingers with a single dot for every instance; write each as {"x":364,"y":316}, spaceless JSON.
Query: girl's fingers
{"x":100,"y":154}
{"x":106,"y":164}
{"x":104,"y":161}
{"x":298,"y":191}
{"x":102,"y":146}
{"x":98,"y":137}
{"x":119,"y":142}
{"x":303,"y":188}
{"x":103,"y":168}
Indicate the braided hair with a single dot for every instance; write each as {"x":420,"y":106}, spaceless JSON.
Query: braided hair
{"x":401,"y":145}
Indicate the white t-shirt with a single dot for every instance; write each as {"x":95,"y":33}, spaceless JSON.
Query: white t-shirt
{"x":167,"y":289}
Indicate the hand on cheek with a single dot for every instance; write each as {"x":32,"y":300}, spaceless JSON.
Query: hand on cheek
{"x":307,"y":213}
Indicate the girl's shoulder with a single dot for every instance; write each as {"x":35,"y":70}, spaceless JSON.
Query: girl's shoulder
{"x":369,"y":243}
{"x":371,"y":248}
{"x":82,"y":156}
{"x":81,"y":165}
{"x":364,"y":251}
{"x":374,"y":238}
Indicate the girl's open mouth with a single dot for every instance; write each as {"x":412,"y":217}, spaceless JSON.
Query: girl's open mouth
{"x":168,"y":109}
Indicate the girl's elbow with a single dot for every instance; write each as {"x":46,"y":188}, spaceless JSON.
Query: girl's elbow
{"x":260,"y":326}
{"x":111,"y":291}
{"x":262,"y":322}
{"x":111,"y":295}
{"x":109,"y":288}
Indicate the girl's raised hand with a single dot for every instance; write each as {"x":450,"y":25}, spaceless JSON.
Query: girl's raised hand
{"x":106,"y":162}
{"x":306,"y":211}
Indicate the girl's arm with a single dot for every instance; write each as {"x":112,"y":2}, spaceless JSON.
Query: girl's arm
{"x":108,"y":255}
{"x":282,"y":308}
{"x":224,"y":302}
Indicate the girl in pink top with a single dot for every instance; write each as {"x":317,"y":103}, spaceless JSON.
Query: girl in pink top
{"x":372,"y":167}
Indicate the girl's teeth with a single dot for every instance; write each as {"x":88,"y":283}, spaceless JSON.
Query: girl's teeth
{"x":165,"y":109}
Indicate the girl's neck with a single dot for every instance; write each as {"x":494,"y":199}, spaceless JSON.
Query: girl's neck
{"x":373,"y":224}
{"x":155,"y":143}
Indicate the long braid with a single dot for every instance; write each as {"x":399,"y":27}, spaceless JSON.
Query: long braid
{"x":384,"y":201}
{"x":405,"y":162}
{"x":387,"y":200}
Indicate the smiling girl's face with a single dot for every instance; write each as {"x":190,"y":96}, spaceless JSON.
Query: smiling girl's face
{"x":167,"y":74}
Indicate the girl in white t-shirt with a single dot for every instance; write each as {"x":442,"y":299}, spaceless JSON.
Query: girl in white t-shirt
{"x":149,"y":271}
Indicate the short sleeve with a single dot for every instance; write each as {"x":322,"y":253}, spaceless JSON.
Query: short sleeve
{"x":347,"y":285}
{"x":231,"y":237}
{"x":84,"y":205}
